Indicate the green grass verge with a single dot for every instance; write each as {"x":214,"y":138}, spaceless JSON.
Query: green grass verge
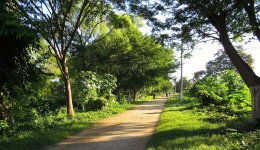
{"x":183,"y":126}
{"x":57,"y":127}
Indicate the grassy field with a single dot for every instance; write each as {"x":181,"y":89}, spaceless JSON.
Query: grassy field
{"x":183,"y":126}
{"x":53,"y":128}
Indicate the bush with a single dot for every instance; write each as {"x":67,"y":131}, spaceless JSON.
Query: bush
{"x":209,"y":90}
{"x":93,"y":90}
{"x":94,"y":105}
{"x":3,"y":126}
{"x":226,"y":91}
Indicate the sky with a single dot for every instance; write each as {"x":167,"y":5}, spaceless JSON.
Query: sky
{"x":204,"y":52}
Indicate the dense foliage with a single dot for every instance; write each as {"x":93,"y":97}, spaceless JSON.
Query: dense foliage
{"x":220,"y":86}
{"x":111,"y":63}
{"x":53,"y":51}
{"x":93,"y":90}
{"x":134,"y":59}
{"x":18,"y":69}
{"x":226,"y":91}
{"x":186,"y":85}
{"x":199,"y":20}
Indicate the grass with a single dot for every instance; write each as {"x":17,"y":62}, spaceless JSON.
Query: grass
{"x":53,"y":128}
{"x":184,"y":126}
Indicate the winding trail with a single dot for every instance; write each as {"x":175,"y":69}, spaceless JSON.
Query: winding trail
{"x":130,"y":130}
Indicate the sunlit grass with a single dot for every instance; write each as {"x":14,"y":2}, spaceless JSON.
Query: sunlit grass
{"x":181,"y":127}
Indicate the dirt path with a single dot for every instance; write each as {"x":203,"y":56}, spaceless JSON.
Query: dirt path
{"x":130,"y":130}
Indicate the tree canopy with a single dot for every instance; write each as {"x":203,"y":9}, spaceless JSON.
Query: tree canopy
{"x":125,"y":53}
{"x":222,"y":63}
{"x":200,"y":20}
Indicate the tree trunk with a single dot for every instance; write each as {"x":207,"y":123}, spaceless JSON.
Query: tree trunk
{"x":83,"y":107}
{"x":249,"y":77}
{"x":5,"y":112}
{"x":2,"y":110}
{"x":118,"y":95}
{"x":255,"y":97}
{"x":250,"y":10}
{"x":70,"y":110}
{"x":135,"y":95}
{"x":181,"y":87}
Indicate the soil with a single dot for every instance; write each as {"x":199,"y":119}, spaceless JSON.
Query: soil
{"x":130,"y":130}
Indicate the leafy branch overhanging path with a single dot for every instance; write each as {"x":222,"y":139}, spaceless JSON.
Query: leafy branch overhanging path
{"x":129,"y":130}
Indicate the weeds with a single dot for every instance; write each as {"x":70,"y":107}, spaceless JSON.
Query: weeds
{"x":187,"y":125}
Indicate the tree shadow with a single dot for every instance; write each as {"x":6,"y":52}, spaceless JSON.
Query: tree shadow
{"x":110,"y":137}
{"x":187,"y":138}
{"x":151,"y":105}
{"x":133,"y":143}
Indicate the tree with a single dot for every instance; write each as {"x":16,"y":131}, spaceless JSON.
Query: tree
{"x":91,"y":87}
{"x":125,"y":53}
{"x":163,"y":84}
{"x":17,"y":69}
{"x":218,"y":20}
{"x":58,"y":23}
{"x":199,"y":75}
{"x":222,"y":62}
{"x":186,"y":84}
{"x":185,"y":53}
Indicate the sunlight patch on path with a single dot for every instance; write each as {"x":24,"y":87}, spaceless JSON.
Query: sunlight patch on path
{"x":130,"y":130}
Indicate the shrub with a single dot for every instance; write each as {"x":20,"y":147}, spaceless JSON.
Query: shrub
{"x":226,"y":90}
{"x":97,"y":104}
{"x":3,"y":126}
{"x":93,"y":90}
{"x":209,"y":90}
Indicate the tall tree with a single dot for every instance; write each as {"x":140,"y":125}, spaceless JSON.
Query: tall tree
{"x":222,"y":20}
{"x":125,"y":53}
{"x":222,"y":62}
{"x":58,"y":22}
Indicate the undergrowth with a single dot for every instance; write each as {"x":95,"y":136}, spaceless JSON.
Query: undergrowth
{"x":188,"y":125}
{"x":49,"y":129}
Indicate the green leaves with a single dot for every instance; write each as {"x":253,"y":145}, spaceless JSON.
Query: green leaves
{"x":118,"y":21}
{"x":226,"y":89}
{"x":133,"y":58}
{"x":89,"y":86}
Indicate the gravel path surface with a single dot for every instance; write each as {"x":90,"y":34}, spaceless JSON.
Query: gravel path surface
{"x":130,"y":130}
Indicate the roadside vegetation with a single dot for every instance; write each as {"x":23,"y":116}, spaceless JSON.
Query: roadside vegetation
{"x":214,"y":114}
{"x":189,"y":125}
{"x":66,"y":64}
{"x":62,"y":70}
{"x":43,"y":131}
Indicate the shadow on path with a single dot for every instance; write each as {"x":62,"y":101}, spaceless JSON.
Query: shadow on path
{"x":130,"y":130}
